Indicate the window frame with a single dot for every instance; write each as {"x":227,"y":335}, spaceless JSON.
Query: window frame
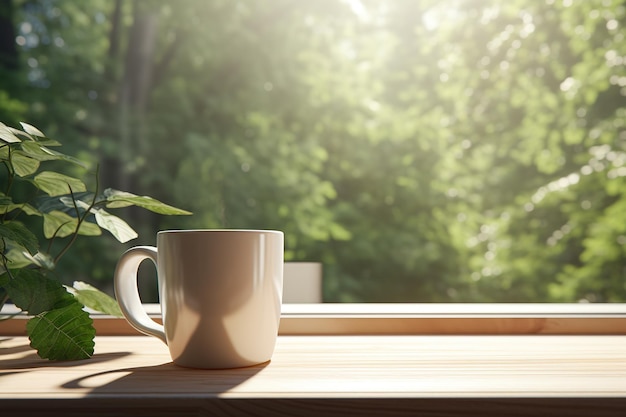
{"x":409,"y":319}
{"x":454,"y":319}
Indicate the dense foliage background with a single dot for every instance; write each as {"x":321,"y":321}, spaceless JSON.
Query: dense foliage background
{"x":442,"y":150}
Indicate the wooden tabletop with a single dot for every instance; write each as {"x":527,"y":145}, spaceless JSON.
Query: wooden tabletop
{"x":329,"y":375}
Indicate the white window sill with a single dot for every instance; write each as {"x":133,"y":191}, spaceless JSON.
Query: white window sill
{"x":411,"y":319}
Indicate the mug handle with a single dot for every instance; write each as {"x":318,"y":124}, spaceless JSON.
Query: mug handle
{"x":127,"y":293}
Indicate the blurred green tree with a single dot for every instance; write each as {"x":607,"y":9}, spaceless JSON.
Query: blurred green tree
{"x":423,"y":151}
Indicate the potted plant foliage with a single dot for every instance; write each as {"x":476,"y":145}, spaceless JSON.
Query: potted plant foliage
{"x":60,"y":328}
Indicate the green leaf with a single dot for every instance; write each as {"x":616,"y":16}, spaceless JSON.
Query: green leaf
{"x":7,"y":205}
{"x":32,"y":130}
{"x":19,"y":257}
{"x":26,"y":208}
{"x":20,"y":133}
{"x":20,"y":234}
{"x":37,"y":151}
{"x":118,"y":227}
{"x":48,"y":204}
{"x":6,"y":135}
{"x":49,"y":142}
{"x":73,"y":203}
{"x":95,"y":299}
{"x":31,"y":291}
{"x":117,"y":199}
{"x":62,"y":334}
{"x":23,"y":164}
{"x":55,"y":184}
{"x":59,"y":224}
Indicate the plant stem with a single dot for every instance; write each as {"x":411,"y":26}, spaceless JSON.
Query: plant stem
{"x":75,"y":234}
{"x":80,"y":220}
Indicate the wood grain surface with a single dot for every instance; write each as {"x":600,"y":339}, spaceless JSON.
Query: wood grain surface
{"x":328,"y":376}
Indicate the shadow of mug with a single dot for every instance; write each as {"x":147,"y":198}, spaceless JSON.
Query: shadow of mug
{"x":164,"y":379}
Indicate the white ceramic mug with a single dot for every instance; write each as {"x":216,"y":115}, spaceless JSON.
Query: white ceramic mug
{"x":220,"y":293}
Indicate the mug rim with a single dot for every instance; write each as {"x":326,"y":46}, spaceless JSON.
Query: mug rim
{"x":181,"y":231}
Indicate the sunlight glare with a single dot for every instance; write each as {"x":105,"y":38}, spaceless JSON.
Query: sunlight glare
{"x":358,"y":9}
